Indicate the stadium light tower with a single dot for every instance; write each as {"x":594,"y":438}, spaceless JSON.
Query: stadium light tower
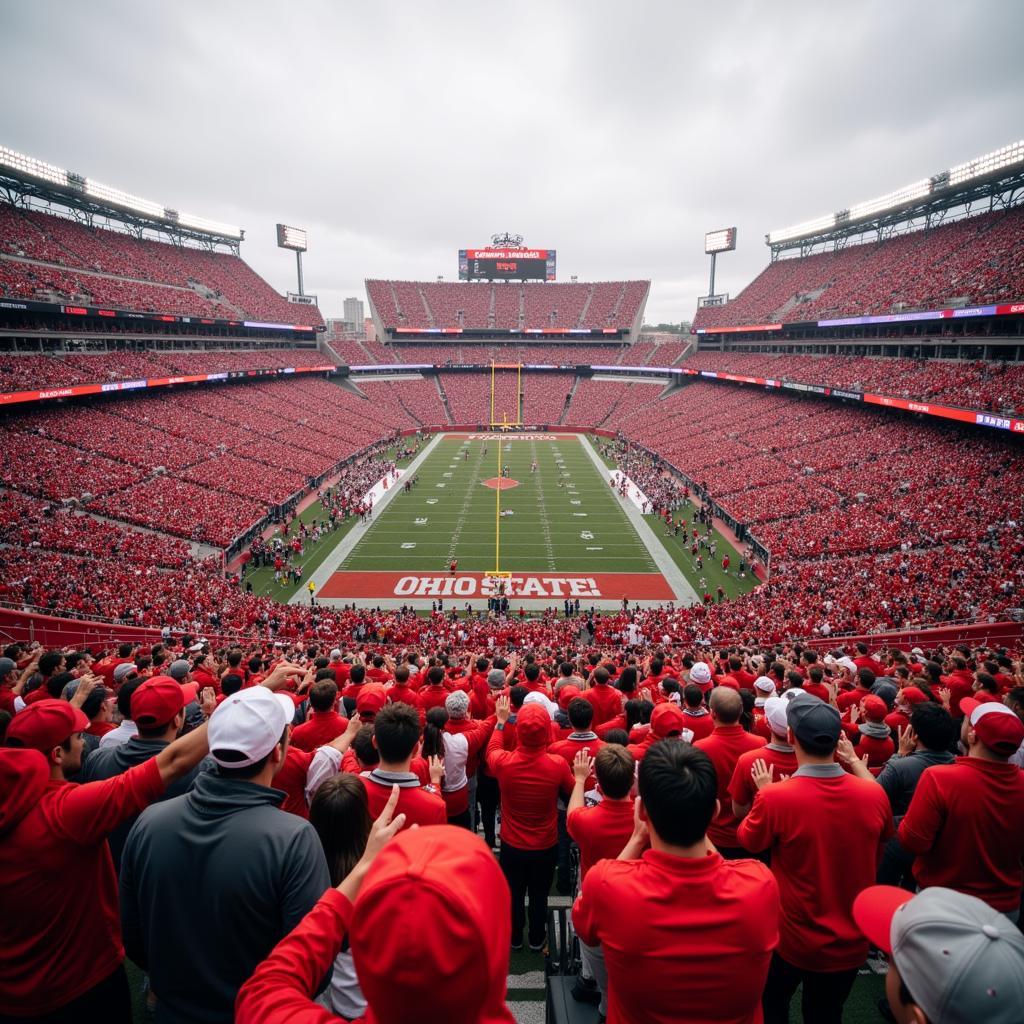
{"x":295,"y":239}
{"x":723,"y":240}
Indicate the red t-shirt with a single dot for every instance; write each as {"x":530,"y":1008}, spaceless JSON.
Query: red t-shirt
{"x":741,"y":787}
{"x":419,"y":805}
{"x":700,"y":725}
{"x":601,"y":832}
{"x":605,"y":700}
{"x":724,"y":747}
{"x":654,"y":914}
{"x":966,"y":825}
{"x":569,"y":748}
{"x":825,"y":836}
{"x":60,"y":886}
{"x":320,"y":728}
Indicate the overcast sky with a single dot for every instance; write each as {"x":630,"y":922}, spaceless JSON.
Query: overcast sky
{"x":614,"y":132}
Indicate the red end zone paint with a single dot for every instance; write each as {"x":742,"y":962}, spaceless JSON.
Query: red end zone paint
{"x":609,"y":586}
{"x":501,"y":483}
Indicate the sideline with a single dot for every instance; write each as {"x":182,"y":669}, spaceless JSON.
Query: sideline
{"x":330,"y":565}
{"x":685,"y":593}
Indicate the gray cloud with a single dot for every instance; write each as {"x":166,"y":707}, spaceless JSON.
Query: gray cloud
{"x":397,"y":133}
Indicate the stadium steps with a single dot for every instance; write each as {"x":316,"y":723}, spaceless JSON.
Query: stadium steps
{"x":426,"y":307}
{"x":443,"y":397}
{"x":568,"y":401}
{"x":490,"y":309}
{"x":690,"y":349}
{"x":582,"y":319}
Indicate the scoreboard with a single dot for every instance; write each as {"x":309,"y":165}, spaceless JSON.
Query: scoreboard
{"x":506,"y":264}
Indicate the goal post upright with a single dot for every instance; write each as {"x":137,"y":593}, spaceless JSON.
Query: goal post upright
{"x":502,"y":426}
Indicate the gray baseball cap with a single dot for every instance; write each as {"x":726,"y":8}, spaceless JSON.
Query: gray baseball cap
{"x":6,"y":666}
{"x":814,"y":723}
{"x":179,"y":669}
{"x":961,"y":960}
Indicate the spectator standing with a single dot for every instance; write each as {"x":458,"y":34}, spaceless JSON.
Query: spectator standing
{"x":691,"y":898}
{"x":823,"y":829}
{"x":158,"y":709}
{"x":966,"y":820}
{"x":58,"y":878}
{"x":529,"y":779}
{"x":724,"y":746}
{"x":253,"y":871}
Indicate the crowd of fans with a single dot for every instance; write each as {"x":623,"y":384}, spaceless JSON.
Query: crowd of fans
{"x":22,"y":372}
{"x":973,"y":261}
{"x":975,"y":384}
{"x":248,"y":821}
{"x":63,"y":257}
{"x":479,"y":305}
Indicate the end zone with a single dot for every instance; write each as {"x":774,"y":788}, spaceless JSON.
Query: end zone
{"x":532,"y":590}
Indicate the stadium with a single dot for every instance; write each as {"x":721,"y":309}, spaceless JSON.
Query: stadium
{"x":492,"y":499}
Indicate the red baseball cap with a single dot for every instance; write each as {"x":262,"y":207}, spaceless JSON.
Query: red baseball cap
{"x":874,"y":708}
{"x":995,"y":724}
{"x":873,"y":911}
{"x":665,"y":719}
{"x":911,"y":695}
{"x":159,"y":699}
{"x":566,"y":695}
{"x":46,"y":724}
{"x":371,"y":698}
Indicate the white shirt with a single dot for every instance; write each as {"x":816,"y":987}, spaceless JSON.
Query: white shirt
{"x":122,"y":734}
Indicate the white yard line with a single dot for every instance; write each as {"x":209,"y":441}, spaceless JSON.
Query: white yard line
{"x":544,"y":524}
{"x":461,"y":521}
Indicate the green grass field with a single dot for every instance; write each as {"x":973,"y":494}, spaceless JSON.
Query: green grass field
{"x":562,"y":518}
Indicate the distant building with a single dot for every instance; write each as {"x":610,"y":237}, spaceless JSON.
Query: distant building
{"x":353,"y":312}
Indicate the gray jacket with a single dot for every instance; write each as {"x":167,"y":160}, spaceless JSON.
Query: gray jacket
{"x":900,"y":776}
{"x":210,"y":882}
{"x":106,"y":762}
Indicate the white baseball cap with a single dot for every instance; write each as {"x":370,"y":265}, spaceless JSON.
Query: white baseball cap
{"x":700,"y":674}
{"x":775,"y":713}
{"x":249,"y":723}
{"x":764,"y":684}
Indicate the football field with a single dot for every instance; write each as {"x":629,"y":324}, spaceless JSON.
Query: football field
{"x":563,"y":531}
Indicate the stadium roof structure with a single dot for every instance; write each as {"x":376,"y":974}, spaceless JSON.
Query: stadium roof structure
{"x":995,"y":180}
{"x":24,"y":178}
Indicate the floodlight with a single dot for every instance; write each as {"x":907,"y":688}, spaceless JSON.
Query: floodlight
{"x":214,"y":226}
{"x":723,"y":240}
{"x":291,"y":238}
{"x":35,"y":168}
{"x":809,"y":227}
{"x":981,"y":166}
{"x":116,"y":197}
{"x":892,"y":200}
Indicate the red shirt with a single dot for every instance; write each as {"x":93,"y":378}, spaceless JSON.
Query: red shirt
{"x":60,"y":887}
{"x":878,"y":750}
{"x":724,"y":747}
{"x":700,"y":725}
{"x":530,"y":779}
{"x":741,"y":787}
{"x":419,"y":805}
{"x":601,"y":832}
{"x":605,"y":700}
{"x":569,"y":748}
{"x":961,"y":684}
{"x":966,"y":825}
{"x":824,"y":834}
{"x":654,"y":914}
{"x":320,"y":728}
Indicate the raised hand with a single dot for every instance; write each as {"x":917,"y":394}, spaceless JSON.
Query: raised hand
{"x":582,"y":765}
{"x":761,"y":773}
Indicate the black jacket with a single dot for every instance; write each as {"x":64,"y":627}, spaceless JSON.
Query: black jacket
{"x":210,"y":882}
{"x":106,"y":762}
